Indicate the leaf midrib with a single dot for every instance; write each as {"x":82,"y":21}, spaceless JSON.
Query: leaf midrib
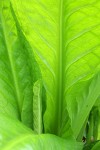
{"x":60,"y":67}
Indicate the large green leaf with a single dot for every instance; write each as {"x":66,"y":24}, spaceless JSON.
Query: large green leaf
{"x":48,"y":51}
{"x":15,"y":136}
{"x":64,"y":35}
{"x":16,"y":68}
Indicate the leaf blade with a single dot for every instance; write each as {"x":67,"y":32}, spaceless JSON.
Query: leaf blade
{"x":17,"y":136}
{"x":37,"y":107}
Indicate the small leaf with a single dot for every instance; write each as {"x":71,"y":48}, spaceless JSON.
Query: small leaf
{"x":37,"y":107}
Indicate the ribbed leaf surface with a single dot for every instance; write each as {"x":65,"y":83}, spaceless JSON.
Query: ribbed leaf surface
{"x":16,"y":68}
{"x":64,"y":36}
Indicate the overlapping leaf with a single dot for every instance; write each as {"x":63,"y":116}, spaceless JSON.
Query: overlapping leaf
{"x":14,"y":135}
{"x":16,"y":68}
{"x":64,"y":36}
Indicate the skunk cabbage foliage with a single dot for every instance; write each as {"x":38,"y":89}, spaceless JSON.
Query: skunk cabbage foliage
{"x":22,"y":137}
{"x":49,"y":72}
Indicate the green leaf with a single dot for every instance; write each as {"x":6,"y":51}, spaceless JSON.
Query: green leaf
{"x":37,"y":107}
{"x":15,"y":136}
{"x":93,"y":124}
{"x":16,"y":68}
{"x":64,"y":36}
{"x":96,"y":146}
{"x":42,"y":24}
{"x":83,"y":101}
{"x":90,"y":145}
